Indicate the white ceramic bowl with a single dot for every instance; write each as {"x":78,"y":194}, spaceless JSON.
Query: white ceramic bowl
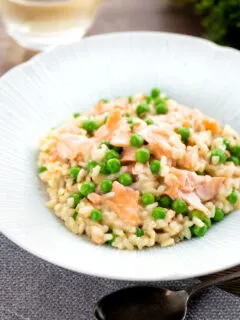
{"x":41,"y":93}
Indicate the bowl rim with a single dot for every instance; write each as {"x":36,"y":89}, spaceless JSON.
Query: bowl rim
{"x":64,"y":264}
{"x":120,"y":34}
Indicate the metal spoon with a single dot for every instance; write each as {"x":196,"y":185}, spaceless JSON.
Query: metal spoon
{"x":145,"y":302}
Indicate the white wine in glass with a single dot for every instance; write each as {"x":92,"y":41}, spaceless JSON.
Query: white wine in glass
{"x":39,"y":24}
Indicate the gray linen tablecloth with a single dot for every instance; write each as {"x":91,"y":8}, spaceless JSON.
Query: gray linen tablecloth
{"x":32,"y":289}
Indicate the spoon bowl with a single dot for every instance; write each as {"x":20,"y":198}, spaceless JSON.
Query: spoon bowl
{"x":142,"y":303}
{"x":145,"y":302}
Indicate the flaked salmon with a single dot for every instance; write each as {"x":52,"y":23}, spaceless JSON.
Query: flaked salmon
{"x":103,"y":107}
{"x":70,"y":146}
{"x":106,"y":131}
{"x":121,"y":137}
{"x":69,"y":127}
{"x":114,"y":131}
{"x":212,"y":125}
{"x":124,"y":203}
{"x":162,"y":140}
{"x":189,"y":186}
{"x":129,"y":154}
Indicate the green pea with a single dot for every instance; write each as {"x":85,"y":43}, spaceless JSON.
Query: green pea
{"x":136,"y":140}
{"x":148,"y":99}
{"x":106,"y":186}
{"x":75,"y":215}
{"x":179,"y":206}
{"x":199,"y":231}
{"x":90,"y":125}
{"x":155,"y":166}
{"x":103,"y":168}
{"x":142,"y":108}
{"x":117,"y":149}
{"x":42,"y":169}
{"x":105,"y":119}
{"x":111,"y":154}
{"x":233,"y":197}
{"x":220,"y":154}
{"x":149,"y":121}
{"x":114,"y":236}
{"x":201,"y":173}
{"x":184,"y":133}
{"x":161,"y":108}
{"x":200,"y":215}
{"x":234,"y":159}
{"x":76,"y":199}
{"x":155,"y":93}
{"x":114,"y":165}
{"x":76,"y":115}
{"x":74,"y":171}
{"x":125,"y":179}
{"x":235,"y":151}
{"x":142,"y":155}
{"x":219,"y":215}
{"x":130,"y":99}
{"x":96,"y":215}
{"x":130,"y":120}
{"x":104,"y":100}
{"x":207,"y":222}
{"x":127,"y":115}
{"x":160,"y":100}
{"x":196,"y":213}
{"x":106,"y":144}
{"x":91,"y":164}
{"x":227,"y":143}
{"x":139,"y":232}
{"x":165,"y":201}
{"x":147,"y":198}
{"x":158,"y":213}
{"x":86,"y":188}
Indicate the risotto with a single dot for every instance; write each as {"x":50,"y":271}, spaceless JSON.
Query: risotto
{"x":141,"y":171}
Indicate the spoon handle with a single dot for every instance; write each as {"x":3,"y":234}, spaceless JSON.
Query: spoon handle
{"x":227,"y":277}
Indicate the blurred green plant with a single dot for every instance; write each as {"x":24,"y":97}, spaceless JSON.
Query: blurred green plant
{"x":221,"y":19}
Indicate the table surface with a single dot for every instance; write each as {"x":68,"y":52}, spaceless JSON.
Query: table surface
{"x":115,"y":16}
